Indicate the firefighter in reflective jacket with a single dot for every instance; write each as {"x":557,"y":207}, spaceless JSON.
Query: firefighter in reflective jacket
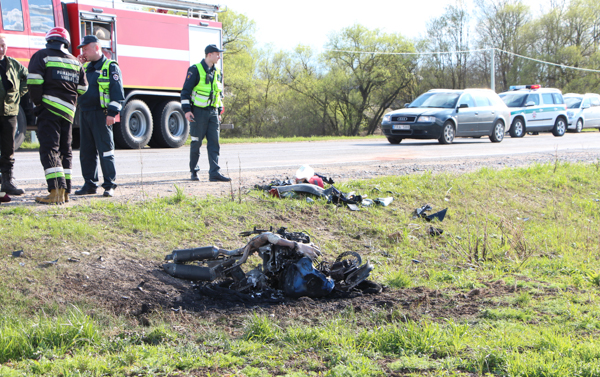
{"x":201,"y":100}
{"x":55,"y":80}
{"x":98,"y":106}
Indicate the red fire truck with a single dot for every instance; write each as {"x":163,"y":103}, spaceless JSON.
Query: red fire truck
{"x":154,"y":42}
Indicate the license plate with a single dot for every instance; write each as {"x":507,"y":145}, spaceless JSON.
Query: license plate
{"x":401,"y":127}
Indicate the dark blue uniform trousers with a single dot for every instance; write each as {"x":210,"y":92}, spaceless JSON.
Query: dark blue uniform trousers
{"x":97,"y":140}
{"x":205,"y":124}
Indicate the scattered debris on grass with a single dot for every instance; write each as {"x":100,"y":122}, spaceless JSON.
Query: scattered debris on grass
{"x":434,"y":232}
{"x":307,"y":182}
{"x":48,"y":263}
{"x":17,"y":254}
{"x":422,"y":213}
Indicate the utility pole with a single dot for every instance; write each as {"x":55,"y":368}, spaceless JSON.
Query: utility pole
{"x":493,"y":71}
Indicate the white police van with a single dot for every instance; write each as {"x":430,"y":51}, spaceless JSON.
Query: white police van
{"x":535,"y":109}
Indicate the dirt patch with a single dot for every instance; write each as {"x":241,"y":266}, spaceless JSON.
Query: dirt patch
{"x":136,"y":287}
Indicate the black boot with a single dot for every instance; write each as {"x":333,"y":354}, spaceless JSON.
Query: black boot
{"x":8,"y":184}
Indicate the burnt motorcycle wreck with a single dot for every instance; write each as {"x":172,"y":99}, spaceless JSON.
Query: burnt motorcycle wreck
{"x":289,"y":268}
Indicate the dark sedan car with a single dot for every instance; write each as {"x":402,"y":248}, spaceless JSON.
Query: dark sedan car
{"x":445,"y":114}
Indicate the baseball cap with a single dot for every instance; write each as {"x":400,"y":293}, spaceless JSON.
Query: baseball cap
{"x":88,"y":39}
{"x":212,"y":48}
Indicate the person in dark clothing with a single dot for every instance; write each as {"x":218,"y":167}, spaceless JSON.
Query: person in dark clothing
{"x":201,"y":100}
{"x":55,"y":80}
{"x":12,"y":91}
{"x":98,"y":106}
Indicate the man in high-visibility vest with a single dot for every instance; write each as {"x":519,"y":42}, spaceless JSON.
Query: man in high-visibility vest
{"x":99,"y":106}
{"x":55,"y":80}
{"x":202,"y":102}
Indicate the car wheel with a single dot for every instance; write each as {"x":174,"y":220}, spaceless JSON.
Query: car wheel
{"x":560,"y":127}
{"x":447,"y":134}
{"x":498,"y":132}
{"x":579,"y":126}
{"x":394,"y":140}
{"x":517,"y":129}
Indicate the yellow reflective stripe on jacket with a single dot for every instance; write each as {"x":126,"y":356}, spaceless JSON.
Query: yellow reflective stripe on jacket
{"x":55,"y":61}
{"x":81,"y":89}
{"x":59,"y":104}
{"x":35,"y":79}
{"x":200,"y":100}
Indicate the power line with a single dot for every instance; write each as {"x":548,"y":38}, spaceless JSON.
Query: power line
{"x":467,"y":51}
{"x":549,"y":63}
{"x":410,"y":53}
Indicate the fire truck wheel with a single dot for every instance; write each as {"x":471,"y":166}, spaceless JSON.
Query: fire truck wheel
{"x":21,"y":128}
{"x":171,"y":129}
{"x":135,"y":129}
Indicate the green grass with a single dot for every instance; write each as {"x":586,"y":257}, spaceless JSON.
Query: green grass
{"x":26,"y":145}
{"x":531,"y":232}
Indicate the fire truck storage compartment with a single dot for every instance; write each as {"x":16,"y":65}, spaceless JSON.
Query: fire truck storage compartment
{"x":102,"y":26}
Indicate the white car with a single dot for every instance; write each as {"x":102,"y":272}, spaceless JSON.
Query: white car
{"x":535,"y":109}
{"x":583,"y":111}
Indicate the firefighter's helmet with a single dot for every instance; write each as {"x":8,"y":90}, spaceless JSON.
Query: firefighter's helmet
{"x":59,"y":34}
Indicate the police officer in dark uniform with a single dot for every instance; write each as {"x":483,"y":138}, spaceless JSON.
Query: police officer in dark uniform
{"x":201,"y":100}
{"x":55,"y":80}
{"x":99,"y":106}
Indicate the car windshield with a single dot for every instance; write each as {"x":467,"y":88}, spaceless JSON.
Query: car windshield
{"x":514,"y":99}
{"x":573,"y":102}
{"x":436,"y":99}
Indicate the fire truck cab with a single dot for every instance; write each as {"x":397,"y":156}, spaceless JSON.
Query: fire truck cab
{"x":153,"y":41}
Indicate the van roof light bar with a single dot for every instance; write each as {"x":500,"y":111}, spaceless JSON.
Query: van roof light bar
{"x":517,"y":87}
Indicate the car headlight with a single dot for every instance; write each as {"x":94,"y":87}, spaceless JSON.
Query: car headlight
{"x":426,"y":119}
{"x":387,"y":117}
{"x":570,"y":114}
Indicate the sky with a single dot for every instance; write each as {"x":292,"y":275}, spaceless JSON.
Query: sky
{"x":285,"y":24}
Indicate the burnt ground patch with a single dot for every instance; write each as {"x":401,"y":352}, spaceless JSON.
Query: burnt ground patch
{"x":136,"y":287}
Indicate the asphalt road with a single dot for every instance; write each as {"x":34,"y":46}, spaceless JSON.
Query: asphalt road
{"x":269,"y":156}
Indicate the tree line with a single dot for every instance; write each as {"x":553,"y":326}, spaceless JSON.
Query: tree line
{"x":346,"y":89}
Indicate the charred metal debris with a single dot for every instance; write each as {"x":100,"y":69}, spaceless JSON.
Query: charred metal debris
{"x":290,"y":267}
